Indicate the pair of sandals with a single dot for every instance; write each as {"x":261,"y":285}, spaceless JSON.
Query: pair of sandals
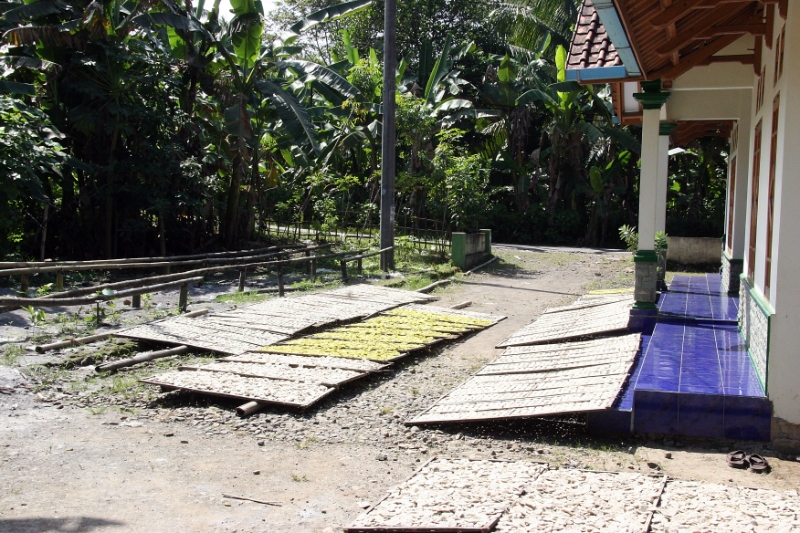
{"x":739,"y":459}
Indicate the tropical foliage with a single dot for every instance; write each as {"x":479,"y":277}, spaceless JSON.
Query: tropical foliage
{"x":133,"y":128}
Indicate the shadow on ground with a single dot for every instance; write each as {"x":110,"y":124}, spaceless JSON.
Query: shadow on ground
{"x":74,"y":524}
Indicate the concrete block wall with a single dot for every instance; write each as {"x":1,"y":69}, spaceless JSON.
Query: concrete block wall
{"x":693,"y":250}
{"x":754,"y":321}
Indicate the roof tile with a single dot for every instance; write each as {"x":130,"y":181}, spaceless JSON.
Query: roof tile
{"x":591,"y":46}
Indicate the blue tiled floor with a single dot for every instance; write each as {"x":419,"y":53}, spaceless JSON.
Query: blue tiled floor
{"x":694,"y":376}
{"x":699,"y":298}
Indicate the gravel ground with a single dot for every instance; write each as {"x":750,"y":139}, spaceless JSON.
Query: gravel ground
{"x":105,"y":453}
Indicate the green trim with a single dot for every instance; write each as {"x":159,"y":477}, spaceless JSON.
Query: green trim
{"x":765,"y":306}
{"x":666,"y":128}
{"x":645,"y":306}
{"x":652,"y":97}
{"x":645,"y":256}
{"x":652,"y":100}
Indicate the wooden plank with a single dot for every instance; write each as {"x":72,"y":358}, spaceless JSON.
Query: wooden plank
{"x":330,"y":377}
{"x":603,"y":319}
{"x":541,"y":383}
{"x":454,"y":312}
{"x":262,"y":390}
{"x":308,"y":361}
{"x":580,"y":500}
{"x":262,"y":338}
{"x":450,"y":495}
{"x":170,"y":333}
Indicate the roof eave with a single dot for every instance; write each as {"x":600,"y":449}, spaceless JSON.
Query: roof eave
{"x":609,"y":16}
{"x":598,"y":74}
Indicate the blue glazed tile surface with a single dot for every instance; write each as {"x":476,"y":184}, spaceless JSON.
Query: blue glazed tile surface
{"x":693,"y":375}
{"x":701,"y":415}
{"x":655,"y":412}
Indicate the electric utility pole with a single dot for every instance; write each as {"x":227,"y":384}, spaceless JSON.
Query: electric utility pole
{"x":389,"y":134}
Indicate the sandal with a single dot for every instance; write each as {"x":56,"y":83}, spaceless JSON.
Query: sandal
{"x":737,"y":459}
{"x":758,"y":463}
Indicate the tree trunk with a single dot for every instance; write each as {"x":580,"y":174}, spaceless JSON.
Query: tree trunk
{"x":162,"y":234}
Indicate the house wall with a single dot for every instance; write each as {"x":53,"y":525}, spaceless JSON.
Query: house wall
{"x":784,"y":293}
{"x":769,"y":317}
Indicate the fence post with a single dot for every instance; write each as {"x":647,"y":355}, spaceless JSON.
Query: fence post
{"x":313,"y":270}
{"x":166,"y":269}
{"x":183,"y":299}
{"x":24,"y":284}
{"x":242,"y":279}
{"x":360,"y":266}
{"x":384,"y":261}
{"x":280,"y":280}
{"x":344,"y":270}
{"x":136,"y":301}
{"x":308,"y":263}
{"x":59,"y":281}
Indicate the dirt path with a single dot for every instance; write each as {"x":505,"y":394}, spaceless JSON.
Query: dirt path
{"x":92,"y":454}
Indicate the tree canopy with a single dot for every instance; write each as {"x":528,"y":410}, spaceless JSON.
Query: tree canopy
{"x":133,"y":128}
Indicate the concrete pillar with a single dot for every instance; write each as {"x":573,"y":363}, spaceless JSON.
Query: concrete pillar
{"x":736,"y":211}
{"x":646,"y":260}
{"x":665,"y":130}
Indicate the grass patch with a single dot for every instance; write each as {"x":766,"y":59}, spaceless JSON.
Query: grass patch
{"x":12,"y":354}
{"x":245,"y":297}
{"x":297,"y":478}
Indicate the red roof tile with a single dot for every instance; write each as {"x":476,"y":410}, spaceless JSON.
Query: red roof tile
{"x":591,"y":46}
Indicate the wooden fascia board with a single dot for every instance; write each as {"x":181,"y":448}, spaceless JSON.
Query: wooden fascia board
{"x":690,"y":61}
{"x":622,"y":14}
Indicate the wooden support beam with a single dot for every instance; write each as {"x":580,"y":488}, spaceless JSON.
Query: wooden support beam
{"x":783,"y":8}
{"x":770,"y":20}
{"x":670,"y":72}
{"x":706,"y":28}
{"x":758,"y":56}
{"x":744,"y":59}
{"x":671,"y":31}
{"x":678,"y":10}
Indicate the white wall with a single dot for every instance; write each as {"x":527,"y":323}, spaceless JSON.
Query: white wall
{"x":784,"y":364}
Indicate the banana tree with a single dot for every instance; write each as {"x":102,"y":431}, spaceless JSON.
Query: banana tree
{"x":254,"y":94}
{"x":578,"y":115}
